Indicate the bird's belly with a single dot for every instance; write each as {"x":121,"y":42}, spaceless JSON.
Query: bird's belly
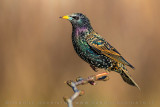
{"x":91,"y":57}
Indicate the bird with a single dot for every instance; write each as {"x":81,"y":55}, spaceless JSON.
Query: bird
{"x":95,"y":50}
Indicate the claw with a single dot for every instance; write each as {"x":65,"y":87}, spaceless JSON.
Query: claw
{"x":92,"y":82}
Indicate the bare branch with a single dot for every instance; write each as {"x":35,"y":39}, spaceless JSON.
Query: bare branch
{"x":80,"y":81}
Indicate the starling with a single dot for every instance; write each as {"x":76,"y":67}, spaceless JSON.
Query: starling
{"x":95,"y":50}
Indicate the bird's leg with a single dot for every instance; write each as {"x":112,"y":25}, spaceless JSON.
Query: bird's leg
{"x":94,"y":68}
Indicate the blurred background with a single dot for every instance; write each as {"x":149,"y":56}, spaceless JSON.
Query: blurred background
{"x":37,"y":56}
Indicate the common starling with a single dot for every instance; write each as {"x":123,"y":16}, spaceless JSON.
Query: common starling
{"x":95,"y":50}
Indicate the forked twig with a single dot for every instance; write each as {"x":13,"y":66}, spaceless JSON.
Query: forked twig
{"x":80,"y":81}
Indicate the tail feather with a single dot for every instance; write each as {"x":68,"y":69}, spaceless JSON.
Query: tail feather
{"x":127,"y":78}
{"x":127,"y":63}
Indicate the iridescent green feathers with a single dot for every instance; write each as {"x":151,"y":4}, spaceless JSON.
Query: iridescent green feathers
{"x":102,"y":47}
{"x":93,"y":49}
{"x":97,"y":43}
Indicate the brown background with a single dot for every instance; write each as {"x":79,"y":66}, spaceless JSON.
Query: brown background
{"x":37,"y":56}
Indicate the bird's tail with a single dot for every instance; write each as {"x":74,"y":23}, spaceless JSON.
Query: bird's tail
{"x":127,"y":78}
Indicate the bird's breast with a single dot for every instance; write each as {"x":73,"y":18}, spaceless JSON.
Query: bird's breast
{"x":87,"y":54}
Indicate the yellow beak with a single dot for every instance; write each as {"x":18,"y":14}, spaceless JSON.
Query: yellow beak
{"x":65,"y":17}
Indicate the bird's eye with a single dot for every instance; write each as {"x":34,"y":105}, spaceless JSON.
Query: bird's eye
{"x":75,"y":17}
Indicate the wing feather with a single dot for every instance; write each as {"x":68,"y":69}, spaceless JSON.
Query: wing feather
{"x":102,"y":47}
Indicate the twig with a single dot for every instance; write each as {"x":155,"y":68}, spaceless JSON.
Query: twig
{"x":80,"y":81}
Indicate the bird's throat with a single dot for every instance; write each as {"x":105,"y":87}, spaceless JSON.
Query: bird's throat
{"x":81,"y":31}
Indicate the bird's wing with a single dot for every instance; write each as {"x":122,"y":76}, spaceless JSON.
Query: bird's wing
{"x":97,"y":43}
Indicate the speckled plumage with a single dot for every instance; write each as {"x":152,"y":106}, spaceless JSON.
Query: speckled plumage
{"x":93,"y":49}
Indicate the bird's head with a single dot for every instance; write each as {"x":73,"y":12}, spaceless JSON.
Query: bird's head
{"x":78,"y":20}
